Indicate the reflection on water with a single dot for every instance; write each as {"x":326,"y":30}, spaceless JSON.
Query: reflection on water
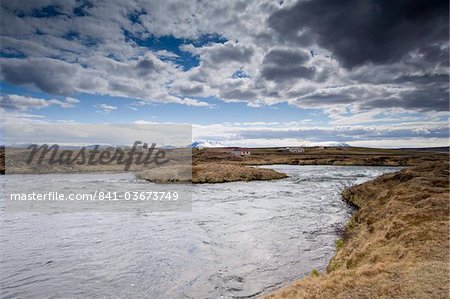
{"x":241,"y":239}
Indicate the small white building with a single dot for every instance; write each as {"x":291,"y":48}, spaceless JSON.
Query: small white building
{"x":240,"y":152}
{"x":296,"y":149}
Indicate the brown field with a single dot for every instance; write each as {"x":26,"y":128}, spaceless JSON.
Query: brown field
{"x":2,"y":160}
{"x":221,"y":173}
{"x":216,"y":165}
{"x":16,"y":162}
{"x":395,"y":246}
{"x":210,"y":173}
{"x":317,"y":156}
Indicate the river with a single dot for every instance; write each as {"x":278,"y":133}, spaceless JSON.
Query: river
{"x":240,"y":240}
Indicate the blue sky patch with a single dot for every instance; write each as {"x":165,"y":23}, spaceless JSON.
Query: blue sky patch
{"x":47,"y":12}
{"x":173,"y":44}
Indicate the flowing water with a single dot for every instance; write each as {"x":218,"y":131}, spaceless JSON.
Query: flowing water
{"x":240,"y":240}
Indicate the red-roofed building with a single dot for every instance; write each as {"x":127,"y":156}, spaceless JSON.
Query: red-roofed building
{"x":240,"y":152}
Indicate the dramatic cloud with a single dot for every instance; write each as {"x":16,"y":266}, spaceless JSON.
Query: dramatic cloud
{"x":226,"y":53}
{"x":286,"y":64}
{"x":50,"y":75}
{"x":358,"y":32}
{"x":350,"y":56}
{"x":164,"y":52}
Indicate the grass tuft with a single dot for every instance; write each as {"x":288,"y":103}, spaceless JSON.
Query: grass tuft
{"x":315,"y":273}
{"x":339,"y":243}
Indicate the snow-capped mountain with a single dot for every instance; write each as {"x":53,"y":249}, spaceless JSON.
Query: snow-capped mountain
{"x":327,"y":143}
{"x":206,"y":143}
{"x":212,"y":143}
{"x":18,"y":145}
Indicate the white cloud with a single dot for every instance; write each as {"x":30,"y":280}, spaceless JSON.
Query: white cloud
{"x":303,"y":133}
{"x":100,"y":53}
{"x":105,"y":107}
{"x":165,"y":53}
{"x":23,"y":103}
{"x":194,"y":102}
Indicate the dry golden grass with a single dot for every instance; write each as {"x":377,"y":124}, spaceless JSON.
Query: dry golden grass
{"x":221,"y":173}
{"x":209,"y":173}
{"x":395,"y":246}
{"x":316,"y":156}
{"x":2,"y":160}
{"x":16,"y":161}
{"x":167,"y":174}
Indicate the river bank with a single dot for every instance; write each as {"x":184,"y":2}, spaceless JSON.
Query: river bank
{"x":395,"y":245}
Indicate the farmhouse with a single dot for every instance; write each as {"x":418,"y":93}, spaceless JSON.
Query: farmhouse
{"x":240,"y":152}
{"x":296,"y":149}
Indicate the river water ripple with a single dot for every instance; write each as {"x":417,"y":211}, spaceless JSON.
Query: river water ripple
{"x":240,"y":240}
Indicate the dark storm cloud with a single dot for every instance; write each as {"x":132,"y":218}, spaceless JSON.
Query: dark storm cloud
{"x":330,"y":99}
{"x":286,"y":57}
{"x":436,"y":54}
{"x":420,"y":100}
{"x":145,"y":67}
{"x":431,"y":93}
{"x":285,"y":64}
{"x":362,"y":31}
{"x":237,"y":94}
{"x":49,"y":75}
{"x":337,"y":95}
{"x":191,"y":90}
{"x":280,"y":74}
{"x":231,"y":53}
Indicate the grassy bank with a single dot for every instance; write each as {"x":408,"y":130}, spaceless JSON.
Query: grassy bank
{"x":221,"y":173}
{"x":395,"y":246}
{"x":210,"y":173}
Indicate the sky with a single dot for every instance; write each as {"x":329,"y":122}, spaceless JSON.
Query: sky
{"x":242,"y":72}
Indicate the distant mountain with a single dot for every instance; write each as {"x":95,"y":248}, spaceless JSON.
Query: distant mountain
{"x":61,"y":145}
{"x":206,"y":143}
{"x":18,"y":145}
{"x":211,"y":143}
{"x":327,"y":143}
